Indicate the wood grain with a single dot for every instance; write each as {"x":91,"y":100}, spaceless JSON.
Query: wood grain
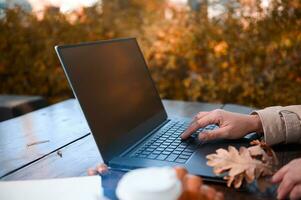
{"x":72,"y":160}
{"x":59,"y":124}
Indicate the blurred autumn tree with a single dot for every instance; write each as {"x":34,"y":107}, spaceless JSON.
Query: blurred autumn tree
{"x":246,"y":55}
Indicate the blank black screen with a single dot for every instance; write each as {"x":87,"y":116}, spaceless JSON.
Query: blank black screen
{"x":115,"y":90}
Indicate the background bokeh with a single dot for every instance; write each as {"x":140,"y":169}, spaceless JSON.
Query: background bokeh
{"x":246,"y":54}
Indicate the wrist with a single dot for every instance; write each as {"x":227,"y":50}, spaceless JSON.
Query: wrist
{"x":256,"y":123}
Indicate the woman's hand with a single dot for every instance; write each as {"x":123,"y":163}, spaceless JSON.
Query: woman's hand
{"x":99,"y":169}
{"x":231,"y":125}
{"x":289,"y":178}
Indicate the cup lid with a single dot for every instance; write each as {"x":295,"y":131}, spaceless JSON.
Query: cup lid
{"x":148,"y":184}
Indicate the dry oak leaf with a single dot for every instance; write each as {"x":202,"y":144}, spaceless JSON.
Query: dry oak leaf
{"x":239,"y":164}
{"x":260,"y":148}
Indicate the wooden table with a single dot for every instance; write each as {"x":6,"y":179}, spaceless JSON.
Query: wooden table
{"x":68,"y":148}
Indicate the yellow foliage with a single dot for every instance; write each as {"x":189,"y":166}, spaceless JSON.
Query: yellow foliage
{"x":230,"y":58}
{"x":221,"y":48}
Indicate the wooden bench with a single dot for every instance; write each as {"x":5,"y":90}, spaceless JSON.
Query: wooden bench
{"x":15,"y":105}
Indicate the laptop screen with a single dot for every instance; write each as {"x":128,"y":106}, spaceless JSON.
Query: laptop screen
{"x":115,"y":90}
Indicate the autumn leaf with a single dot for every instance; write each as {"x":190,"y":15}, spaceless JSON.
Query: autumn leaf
{"x":190,"y":57}
{"x":262,"y":149}
{"x":246,"y":164}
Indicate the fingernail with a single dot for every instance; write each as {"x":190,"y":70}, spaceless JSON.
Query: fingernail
{"x":183,"y":134}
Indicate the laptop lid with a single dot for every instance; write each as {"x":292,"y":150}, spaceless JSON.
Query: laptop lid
{"x":115,"y":91}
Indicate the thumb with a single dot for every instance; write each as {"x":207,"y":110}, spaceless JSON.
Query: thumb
{"x":219,"y":133}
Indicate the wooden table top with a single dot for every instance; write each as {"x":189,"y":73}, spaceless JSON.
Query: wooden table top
{"x":67,"y":148}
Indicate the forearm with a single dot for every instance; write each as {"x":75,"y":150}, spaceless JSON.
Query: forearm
{"x":280,"y":124}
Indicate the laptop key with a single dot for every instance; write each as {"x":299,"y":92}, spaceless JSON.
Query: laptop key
{"x":171,"y":157}
{"x":176,"y":152}
{"x":156,"y":152}
{"x":184,"y":156}
{"x":183,"y":145}
{"x":186,"y":153}
{"x":145,"y":153}
{"x":162,"y":157}
{"x":166,"y":152}
{"x":179,"y":160}
{"x":170,"y":148}
{"x":179,"y":149}
{"x":166,"y":143}
{"x":152,"y":156}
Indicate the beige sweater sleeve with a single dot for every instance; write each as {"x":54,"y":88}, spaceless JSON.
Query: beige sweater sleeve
{"x":281,"y":124}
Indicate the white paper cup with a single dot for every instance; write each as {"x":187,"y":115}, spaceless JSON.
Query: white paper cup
{"x":149,"y":184}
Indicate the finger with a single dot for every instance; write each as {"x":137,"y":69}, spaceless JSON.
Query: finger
{"x":279,"y":175}
{"x":192,"y":183}
{"x":181,"y":173}
{"x":296,"y":192}
{"x":91,"y":172}
{"x":193,"y":123}
{"x":199,"y":116}
{"x":285,"y":187}
{"x":208,"y":119}
{"x":219,"y":133}
{"x":102,"y":168}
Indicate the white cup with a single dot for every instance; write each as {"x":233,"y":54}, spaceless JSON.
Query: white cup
{"x":149,"y":184}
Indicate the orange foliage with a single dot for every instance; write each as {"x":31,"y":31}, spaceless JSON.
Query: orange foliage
{"x":230,"y":58}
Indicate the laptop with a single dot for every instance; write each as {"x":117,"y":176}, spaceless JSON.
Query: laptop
{"x":124,"y":111}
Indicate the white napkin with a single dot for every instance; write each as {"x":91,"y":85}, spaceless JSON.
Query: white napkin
{"x":77,"y":188}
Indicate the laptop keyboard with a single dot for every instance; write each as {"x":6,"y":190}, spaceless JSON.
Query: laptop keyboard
{"x":166,"y":144}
